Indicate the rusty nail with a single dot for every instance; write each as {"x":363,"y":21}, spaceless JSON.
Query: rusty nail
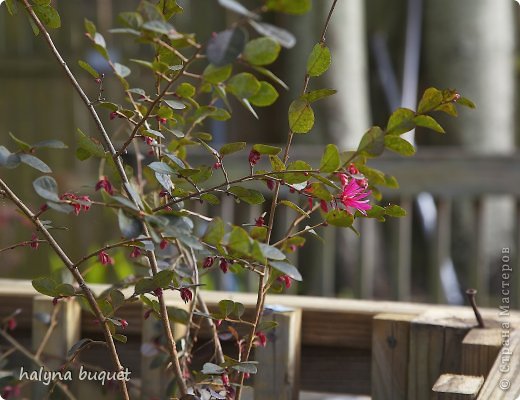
{"x":471,"y":294}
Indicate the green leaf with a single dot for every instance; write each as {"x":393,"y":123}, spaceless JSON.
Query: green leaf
{"x":430,"y":100}
{"x":11,"y":6}
{"x":376,"y":212}
{"x":144,"y":285}
{"x":271,"y":253}
{"x":64,"y":289}
{"x":295,"y":177}
{"x":372,"y":143}
{"x":287,"y":269}
{"x":426,"y":121}
{"x":8,"y":159}
{"x":330,"y":160}
{"x":175,"y":104}
{"x":130,"y":227}
{"x":157,"y":26}
{"x":214,"y":74}
{"x":464,"y":101}
{"x":35,"y":162}
{"x":248,"y":367}
{"x":265,"y":96}
{"x":50,"y":144}
{"x":169,"y":8}
{"x":319,"y":60}
{"x":373,"y":175}
{"x":214,"y":232}
{"x":239,"y":241}
{"x":117,"y":298}
{"x":212,"y":369}
{"x":276,"y":163}
{"x":87,"y":147}
{"x":47,"y":15}
{"x":402,"y":120}
{"x":47,"y":188}
{"x":230,"y":148}
{"x":163,"y":278}
{"x":399,"y":145}
{"x":226,"y":307}
{"x":25,"y":147}
{"x":340,"y":218}
{"x":120,"y":338}
{"x":271,"y":75}
{"x":266,"y":149}
{"x":243,"y":85}
{"x":185,"y":90}
{"x":289,"y":6}
{"x":45,"y":285}
{"x":318,"y":190}
{"x":319,"y":94}
{"x":250,"y":196}
{"x":282,"y":36}
{"x":395,"y":211}
{"x":76,"y":347}
{"x":161,"y":168}
{"x":89,"y":27}
{"x":261,"y":51}
{"x":121,"y":70}
{"x":235,"y":6}
{"x":301,"y":116}
{"x":226,"y":46}
{"x":210,"y":198}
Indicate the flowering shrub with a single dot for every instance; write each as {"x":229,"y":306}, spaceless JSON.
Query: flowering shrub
{"x":153,"y":202}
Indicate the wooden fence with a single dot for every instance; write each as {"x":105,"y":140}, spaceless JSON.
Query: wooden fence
{"x":389,"y":350}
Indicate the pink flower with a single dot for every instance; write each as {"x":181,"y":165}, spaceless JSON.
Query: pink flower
{"x":9,"y":391}
{"x":208,"y":262}
{"x":352,"y":169}
{"x":286,"y":280}
{"x":324,"y":206}
{"x":262,"y":339}
{"x":270,"y":184}
{"x":124,"y":323}
{"x":186,"y":294}
{"x":34,"y":241}
{"x":113,"y":115}
{"x":105,"y":184}
{"x":136,"y":252}
{"x":354,"y":196}
{"x":11,"y":324}
{"x":254,"y":157}
{"x":163,"y":244}
{"x":217,"y":165}
{"x":260,"y":221}
{"x":225,"y":379}
{"x":223,"y":265}
{"x":158,"y":292}
{"x":105,"y":259}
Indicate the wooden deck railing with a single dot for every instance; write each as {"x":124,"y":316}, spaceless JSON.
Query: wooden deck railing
{"x":389,"y":350}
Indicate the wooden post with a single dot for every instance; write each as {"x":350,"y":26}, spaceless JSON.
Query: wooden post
{"x":279,"y":362}
{"x":155,"y":380}
{"x":64,"y":335}
{"x":435,"y":348}
{"x":503,"y":382}
{"x":480,"y":348}
{"x":390,"y":346}
{"x":457,"y":387}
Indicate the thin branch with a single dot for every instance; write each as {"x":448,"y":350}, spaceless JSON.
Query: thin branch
{"x":52,"y":324}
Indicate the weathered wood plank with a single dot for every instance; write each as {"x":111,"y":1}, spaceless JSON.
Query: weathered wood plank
{"x":435,"y":348}
{"x":503,"y":381}
{"x":390,"y":353}
{"x":480,"y":348}
{"x":457,"y":387}
{"x":279,"y":362}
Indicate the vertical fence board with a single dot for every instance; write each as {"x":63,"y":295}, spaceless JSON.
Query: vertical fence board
{"x":441,"y":250}
{"x":480,"y":348}
{"x":64,"y":335}
{"x":404,"y":252}
{"x":479,"y":274}
{"x":390,"y":347}
{"x":435,"y":348}
{"x":279,"y":362}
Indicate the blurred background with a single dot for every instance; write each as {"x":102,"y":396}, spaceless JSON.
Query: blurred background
{"x":460,"y":190}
